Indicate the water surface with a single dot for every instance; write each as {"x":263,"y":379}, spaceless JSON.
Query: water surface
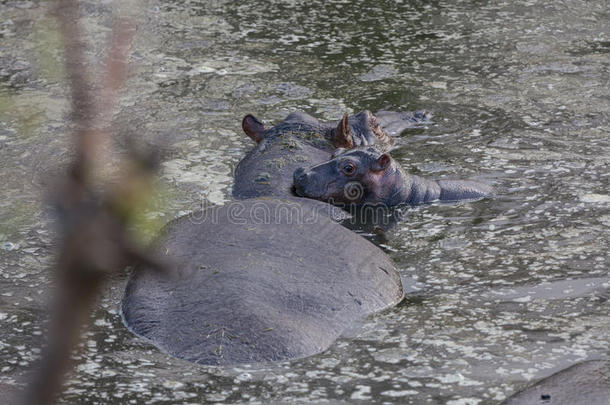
{"x":509,"y":290}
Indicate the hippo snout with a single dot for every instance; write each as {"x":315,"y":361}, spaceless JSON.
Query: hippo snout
{"x":299,"y":174}
{"x":299,"y":180}
{"x":310,"y":183}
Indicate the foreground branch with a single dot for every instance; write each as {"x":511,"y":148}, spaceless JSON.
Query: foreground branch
{"x":93,"y":224}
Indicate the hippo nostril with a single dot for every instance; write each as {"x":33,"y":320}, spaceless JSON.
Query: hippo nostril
{"x":299,"y":173}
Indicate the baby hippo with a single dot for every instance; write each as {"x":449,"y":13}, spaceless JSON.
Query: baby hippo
{"x":364,"y":175}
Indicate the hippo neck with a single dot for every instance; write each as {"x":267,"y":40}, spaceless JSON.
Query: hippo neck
{"x":392,"y":189}
{"x":412,"y":190}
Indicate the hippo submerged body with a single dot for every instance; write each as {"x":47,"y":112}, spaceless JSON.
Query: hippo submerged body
{"x":256,"y":281}
{"x":262,"y":280}
{"x":583,"y":383}
{"x":302,"y":140}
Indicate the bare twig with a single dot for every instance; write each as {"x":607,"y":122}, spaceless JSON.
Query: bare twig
{"x":95,"y":241}
{"x":67,"y":13}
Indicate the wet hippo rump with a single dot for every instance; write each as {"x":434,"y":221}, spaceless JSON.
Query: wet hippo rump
{"x":584,"y":383}
{"x":365,"y":175}
{"x":302,"y":140}
{"x":258,"y":281}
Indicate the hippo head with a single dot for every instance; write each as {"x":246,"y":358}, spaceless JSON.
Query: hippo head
{"x":352,"y":177}
{"x":360,"y":129}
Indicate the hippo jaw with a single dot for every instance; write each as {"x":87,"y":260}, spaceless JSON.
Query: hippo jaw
{"x":351,"y":195}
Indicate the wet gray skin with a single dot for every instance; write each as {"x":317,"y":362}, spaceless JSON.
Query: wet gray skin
{"x":367,"y":176}
{"x":276,"y":294}
{"x":258,"y":281}
{"x":301,"y":139}
{"x":583,"y":383}
{"x":510,"y":289}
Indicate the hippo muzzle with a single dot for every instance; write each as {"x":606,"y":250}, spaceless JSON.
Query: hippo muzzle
{"x":319,"y":182}
{"x":308,"y":184}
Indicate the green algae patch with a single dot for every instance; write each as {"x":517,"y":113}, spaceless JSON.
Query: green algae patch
{"x":315,"y":138}
{"x":278,"y":163}
{"x":299,"y":158}
{"x":291,"y":144}
{"x":19,"y":218}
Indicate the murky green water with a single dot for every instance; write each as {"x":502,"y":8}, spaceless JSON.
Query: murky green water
{"x":510,"y":289}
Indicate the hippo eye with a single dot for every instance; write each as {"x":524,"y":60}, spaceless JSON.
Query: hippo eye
{"x":348,"y":169}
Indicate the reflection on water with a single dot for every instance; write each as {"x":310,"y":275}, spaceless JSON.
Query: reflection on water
{"x":509,"y":289}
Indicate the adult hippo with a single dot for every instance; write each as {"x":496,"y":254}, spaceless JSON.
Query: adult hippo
{"x":367,"y":176}
{"x":583,"y":383}
{"x":267,"y":170}
{"x":258,"y":280}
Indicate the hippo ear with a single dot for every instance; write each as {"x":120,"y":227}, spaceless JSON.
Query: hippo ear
{"x":253,"y":128}
{"x":343,"y":134}
{"x":382,"y":163}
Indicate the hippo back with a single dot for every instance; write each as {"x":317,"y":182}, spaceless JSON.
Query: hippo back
{"x":258,"y":281}
{"x":583,"y":383}
{"x":267,"y":169}
{"x":302,"y":141}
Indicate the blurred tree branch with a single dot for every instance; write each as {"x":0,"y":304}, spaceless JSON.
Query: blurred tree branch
{"x":95,"y":242}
